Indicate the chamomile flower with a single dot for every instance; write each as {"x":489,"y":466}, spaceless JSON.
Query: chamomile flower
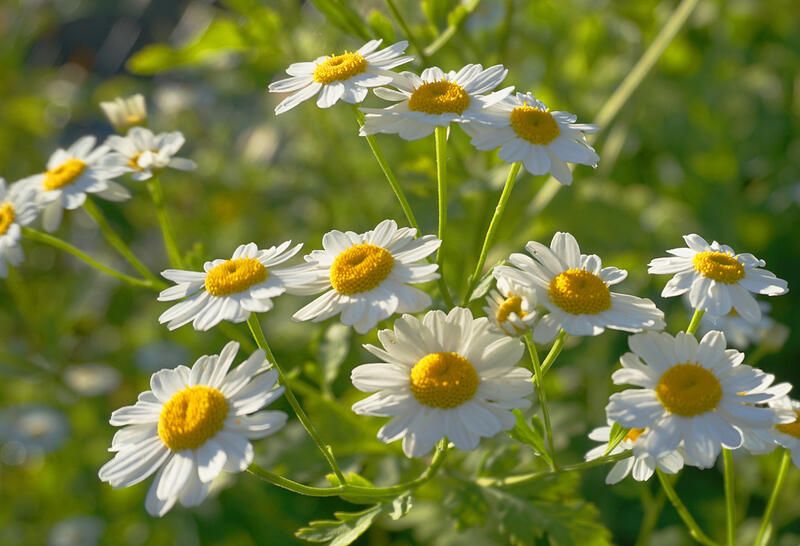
{"x":71,"y":175}
{"x":696,"y":393}
{"x":764,"y":440}
{"x":574,"y":288}
{"x":142,"y":153}
{"x":17,"y":208}
{"x":229,"y":289}
{"x":434,"y":99}
{"x":716,"y":278}
{"x":742,"y":333}
{"x":126,"y":112}
{"x":641,"y":464}
{"x":448,"y":376}
{"x":511,"y":307}
{"x":366,"y":276}
{"x":192,"y":425}
{"x":525,"y":130}
{"x":347,"y":76}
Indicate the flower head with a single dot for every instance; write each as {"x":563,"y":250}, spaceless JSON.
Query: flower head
{"x":716,"y":278}
{"x":17,"y":208}
{"x":525,"y":130}
{"x":448,"y":376}
{"x":126,"y":112}
{"x":742,"y":333}
{"x":347,"y":76}
{"x":142,"y":153}
{"x":229,"y":289}
{"x":693,"y":392}
{"x":366,"y":276}
{"x":511,"y":307}
{"x":574,"y":288}
{"x":193,"y":424}
{"x":434,"y":99}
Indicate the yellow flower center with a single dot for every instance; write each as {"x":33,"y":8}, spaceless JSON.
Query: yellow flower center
{"x":7,"y":216}
{"x":793,"y":428}
{"x":443,"y":380}
{"x":63,"y":175}
{"x":234,"y":276}
{"x":134,"y":119}
{"x":192,"y":417}
{"x":719,"y":266}
{"x":512,"y":304}
{"x":360,"y":268}
{"x":133,"y":162}
{"x":633,"y":434}
{"x":534,"y":124}
{"x":440,"y":97}
{"x":580,"y":292}
{"x":340,"y":67}
{"x":688,"y":390}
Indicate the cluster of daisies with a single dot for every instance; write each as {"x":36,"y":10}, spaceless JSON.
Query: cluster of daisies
{"x":519,"y":125}
{"x":85,"y":168}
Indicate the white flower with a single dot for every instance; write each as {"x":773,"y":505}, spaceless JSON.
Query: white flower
{"x":141,"y":153}
{"x":366,"y":276}
{"x":742,"y":333}
{"x":445,"y":376}
{"x":17,"y":208}
{"x":511,"y":307}
{"x":697,"y":393}
{"x":193,"y":424}
{"x":71,"y":175}
{"x":716,"y":278}
{"x":525,"y":130}
{"x":642,"y":464}
{"x":434,"y":99}
{"x":229,"y":289}
{"x":574,"y":287}
{"x":347,"y":76}
{"x":125,"y":112}
{"x":786,"y":433}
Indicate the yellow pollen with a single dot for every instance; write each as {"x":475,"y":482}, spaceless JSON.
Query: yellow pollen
{"x":133,"y":162}
{"x":719,"y":266}
{"x":340,"y":67}
{"x":63,"y":175}
{"x":442,"y":97}
{"x":633,"y":434}
{"x":443,"y":380}
{"x":7,"y":216}
{"x":360,"y":268}
{"x":689,"y":389}
{"x":234,"y":276}
{"x":512,"y":304}
{"x":793,"y":428}
{"x":534,"y":124}
{"x":192,"y":417}
{"x":580,"y":292}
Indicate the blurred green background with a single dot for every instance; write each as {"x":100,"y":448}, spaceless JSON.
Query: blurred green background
{"x":709,"y":143}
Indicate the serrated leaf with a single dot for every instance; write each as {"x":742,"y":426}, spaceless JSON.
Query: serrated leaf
{"x":617,"y":434}
{"x":400,"y":506}
{"x":529,"y":435}
{"x":344,"y":530}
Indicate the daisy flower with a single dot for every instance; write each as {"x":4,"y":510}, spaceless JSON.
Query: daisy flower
{"x":641,"y":464}
{"x":716,"y":278}
{"x":525,"y":130}
{"x":434,"y":99}
{"x":742,"y":333}
{"x":141,"y":153}
{"x":347,"y":76}
{"x":511,"y":307}
{"x":574,"y":288}
{"x":366,"y":276}
{"x":786,"y":433}
{"x":193,"y":424}
{"x":229,"y":289}
{"x":71,"y":175}
{"x":445,"y":376}
{"x":17,"y":208}
{"x":696,"y":393}
{"x":126,"y":112}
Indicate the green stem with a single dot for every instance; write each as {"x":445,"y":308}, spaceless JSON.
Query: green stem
{"x":730,"y":505}
{"x":440,"y":137}
{"x":537,"y":370}
{"x":355,"y":490}
{"x":652,"y":512}
{"x":411,"y":38}
{"x":327,"y":452}
{"x":555,"y":350}
{"x":522,"y":479}
{"x":117,"y":242}
{"x":765,"y":530}
{"x":55,"y":242}
{"x":694,"y":324}
{"x":491,"y":232}
{"x":451,"y":30}
{"x":157,"y":195}
{"x":688,"y":520}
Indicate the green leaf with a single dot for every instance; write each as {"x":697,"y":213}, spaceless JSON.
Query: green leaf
{"x":527,"y":434}
{"x":381,"y":25}
{"x":483,"y":286}
{"x":344,"y":530}
{"x":617,"y":434}
{"x":333,"y":350}
{"x":341,"y":15}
